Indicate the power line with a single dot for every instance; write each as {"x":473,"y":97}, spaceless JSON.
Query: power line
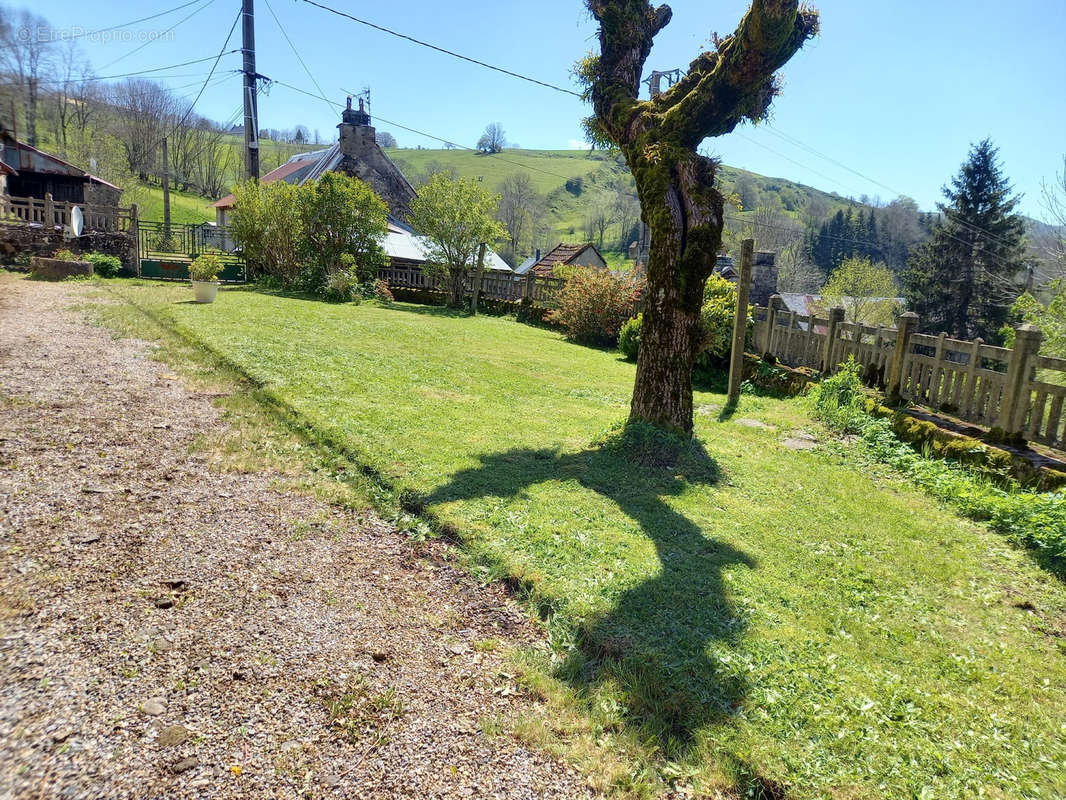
{"x":151,"y":41}
{"x":221,"y":52}
{"x":498,"y":157}
{"x":451,"y":53}
{"x":296,"y":52}
{"x":789,"y":139}
{"x":132,"y":21}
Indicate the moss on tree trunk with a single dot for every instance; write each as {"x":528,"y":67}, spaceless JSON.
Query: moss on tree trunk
{"x":679,"y":202}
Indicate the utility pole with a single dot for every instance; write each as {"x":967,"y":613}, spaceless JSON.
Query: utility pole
{"x":166,"y":192}
{"x":251,"y":110}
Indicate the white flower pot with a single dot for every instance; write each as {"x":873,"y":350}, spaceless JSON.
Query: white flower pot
{"x":205,"y":291}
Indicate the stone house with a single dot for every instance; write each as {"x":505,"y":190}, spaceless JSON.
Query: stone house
{"x":358,"y":154}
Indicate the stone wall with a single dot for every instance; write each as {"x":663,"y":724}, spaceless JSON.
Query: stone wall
{"x":38,"y":241}
{"x":54,"y":269}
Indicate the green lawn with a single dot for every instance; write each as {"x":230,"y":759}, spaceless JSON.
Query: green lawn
{"x":763,"y":615}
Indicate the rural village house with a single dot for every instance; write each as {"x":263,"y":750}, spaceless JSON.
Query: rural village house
{"x":358,"y":154}
{"x":29,"y":172}
{"x":562,"y":255}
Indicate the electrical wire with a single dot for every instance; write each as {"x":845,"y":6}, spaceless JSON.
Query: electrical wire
{"x":296,"y":52}
{"x":134,"y":74}
{"x":152,"y":41}
{"x":133,"y":21}
{"x":451,"y":53}
{"x":218,"y":58}
{"x":795,"y":142}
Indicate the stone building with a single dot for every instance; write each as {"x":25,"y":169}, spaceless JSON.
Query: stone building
{"x":357,"y":154}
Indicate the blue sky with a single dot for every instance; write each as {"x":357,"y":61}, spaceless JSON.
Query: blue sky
{"x":896,"y":90}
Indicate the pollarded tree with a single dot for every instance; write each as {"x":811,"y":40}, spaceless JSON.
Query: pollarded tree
{"x":679,"y":200}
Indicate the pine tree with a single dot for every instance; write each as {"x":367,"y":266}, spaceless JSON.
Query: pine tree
{"x":962,"y":281}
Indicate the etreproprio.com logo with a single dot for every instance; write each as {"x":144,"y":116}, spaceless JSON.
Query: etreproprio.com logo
{"x":45,"y":33}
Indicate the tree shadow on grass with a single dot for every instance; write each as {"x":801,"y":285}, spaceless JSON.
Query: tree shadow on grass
{"x":652,"y":644}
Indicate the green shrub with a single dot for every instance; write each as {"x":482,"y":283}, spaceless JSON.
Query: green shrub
{"x":629,"y":337}
{"x":717,"y":314}
{"x":65,"y":255}
{"x":340,"y":286}
{"x":594,"y":304}
{"x":206,"y":267}
{"x":839,"y":399}
{"x":104,"y":265}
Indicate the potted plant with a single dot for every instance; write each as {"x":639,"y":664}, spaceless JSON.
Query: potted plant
{"x":204,"y":273}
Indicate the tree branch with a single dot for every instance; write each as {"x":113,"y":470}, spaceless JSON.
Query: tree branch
{"x":627,"y":28}
{"x":737,"y":82}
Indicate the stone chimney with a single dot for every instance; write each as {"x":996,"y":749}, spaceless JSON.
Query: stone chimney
{"x":763,"y":277}
{"x":357,"y":135}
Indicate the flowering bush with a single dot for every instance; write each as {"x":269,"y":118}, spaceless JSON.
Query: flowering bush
{"x":594,"y":304}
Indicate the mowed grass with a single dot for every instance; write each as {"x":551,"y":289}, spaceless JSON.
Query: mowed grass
{"x":763,"y":616}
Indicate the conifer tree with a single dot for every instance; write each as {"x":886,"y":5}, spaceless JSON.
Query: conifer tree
{"x":963,"y":281}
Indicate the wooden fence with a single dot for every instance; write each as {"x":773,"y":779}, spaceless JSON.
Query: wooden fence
{"x":50,"y":213}
{"x":505,"y":286}
{"x":1014,"y":389}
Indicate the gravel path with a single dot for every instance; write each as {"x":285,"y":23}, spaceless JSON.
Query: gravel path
{"x":168,"y":631}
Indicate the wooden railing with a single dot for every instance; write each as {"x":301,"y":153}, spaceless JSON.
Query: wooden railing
{"x":504,"y":286}
{"x":49,"y":213}
{"x":1014,"y":389}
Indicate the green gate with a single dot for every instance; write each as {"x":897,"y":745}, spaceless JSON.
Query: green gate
{"x":167,"y":250}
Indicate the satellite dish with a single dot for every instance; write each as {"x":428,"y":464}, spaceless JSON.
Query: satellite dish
{"x":77,"y":221}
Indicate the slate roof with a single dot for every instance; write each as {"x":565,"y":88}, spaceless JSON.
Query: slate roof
{"x":402,"y":243}
{"x":292,"y":171}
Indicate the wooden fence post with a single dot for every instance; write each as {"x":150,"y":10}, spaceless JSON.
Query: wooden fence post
{"x":774,"y":305}
{"x":135,"y":234}
{"x":528,"y":288}
{"x":832,"y":330}
{"x":475,"y":290}
{"x":740,"y":321}
{"x":1015,"y":403}
{"x":907,"y":325}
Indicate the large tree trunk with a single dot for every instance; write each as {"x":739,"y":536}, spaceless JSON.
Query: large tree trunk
{"x":659,"y":138}
{"x":686,"y":234}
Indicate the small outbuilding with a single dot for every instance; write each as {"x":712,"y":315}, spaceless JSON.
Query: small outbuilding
{"x":33,"y":173}
{"x":564,"y":255}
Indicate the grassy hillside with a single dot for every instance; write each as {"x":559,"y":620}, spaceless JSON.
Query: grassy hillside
{"x":550,"y":170}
